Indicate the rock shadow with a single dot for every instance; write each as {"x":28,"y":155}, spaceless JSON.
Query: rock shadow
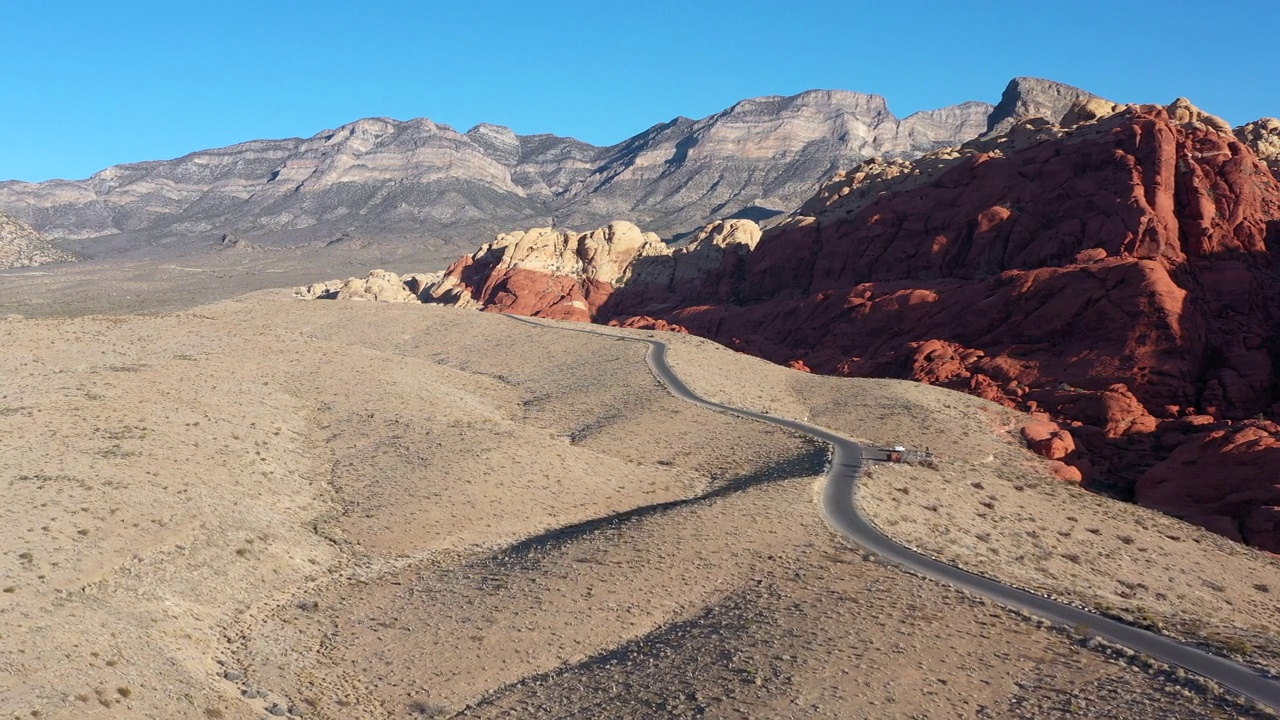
{"x":808,"y":462}
{"x":682,"y":650}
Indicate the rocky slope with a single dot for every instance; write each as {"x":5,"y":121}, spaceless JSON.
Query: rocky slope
{"x":383,"y":178}
{"x":1112,"y":271}
{"x":21,"y":246}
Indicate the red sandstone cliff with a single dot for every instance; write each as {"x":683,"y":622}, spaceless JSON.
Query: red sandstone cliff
{"x":1117,"y":274}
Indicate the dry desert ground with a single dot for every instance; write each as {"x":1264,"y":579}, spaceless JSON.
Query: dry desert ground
{"x":265,"y":506}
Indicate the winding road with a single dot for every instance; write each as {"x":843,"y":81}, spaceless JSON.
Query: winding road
{"x":842,"y":513}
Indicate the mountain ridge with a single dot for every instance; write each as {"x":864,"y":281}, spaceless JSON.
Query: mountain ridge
{"x":415,"y":178}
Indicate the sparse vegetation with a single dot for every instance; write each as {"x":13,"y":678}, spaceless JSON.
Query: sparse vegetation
{"x":1233,"y":645}
{"x":756,"y":558}
{"x":422,"y":708}
{"x":117,"y":452}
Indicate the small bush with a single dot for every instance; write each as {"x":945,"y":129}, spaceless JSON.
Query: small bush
{"x":427,"y":710}
{"x":1235,"y":645}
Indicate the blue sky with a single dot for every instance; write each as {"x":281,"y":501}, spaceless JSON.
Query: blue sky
{"x":86,"y":85}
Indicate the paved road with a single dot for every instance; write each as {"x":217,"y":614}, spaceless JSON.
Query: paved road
{"x":842,"y":512}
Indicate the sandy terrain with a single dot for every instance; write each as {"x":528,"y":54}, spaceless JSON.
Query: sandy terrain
{"x":160,"y":282}
{"x":350,"y":510}
{"x":994,"y":508}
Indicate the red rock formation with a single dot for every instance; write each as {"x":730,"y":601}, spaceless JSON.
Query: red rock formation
{"x":1226,"y":480}
{"x":1049,"y":439}
{"x":1117,"y":275}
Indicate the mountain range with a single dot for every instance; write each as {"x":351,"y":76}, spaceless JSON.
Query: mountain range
{"x":381,"y":179}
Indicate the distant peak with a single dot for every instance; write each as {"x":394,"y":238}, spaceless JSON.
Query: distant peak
{"x":372,"y":125}
{"x":1027,"y":97}
{"x":846,"y":100}
{"x":498,"y":141}
{"x":491,"y":130}
{"x":371,"y":128}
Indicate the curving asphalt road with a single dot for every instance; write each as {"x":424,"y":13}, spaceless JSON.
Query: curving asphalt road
{"x":842,"y":513}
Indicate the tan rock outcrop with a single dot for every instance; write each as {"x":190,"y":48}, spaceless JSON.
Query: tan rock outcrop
{"x":585,"y":267}
{"x":569,"y":275}
{"x":707,"y":250}
{"x":1089,"y":110}
{"x":378,"y":286}
{"x":1182,"y":112}
{"x":1264,"y":137}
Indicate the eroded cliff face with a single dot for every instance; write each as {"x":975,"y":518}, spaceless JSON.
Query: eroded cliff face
{"x":21,"y":246}
{"x":1112,"y":271}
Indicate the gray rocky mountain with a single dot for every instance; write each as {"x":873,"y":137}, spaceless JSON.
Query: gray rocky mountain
{"x":21,"y":246}
{"x":1026,"y":97}
{"x":380,"y":178}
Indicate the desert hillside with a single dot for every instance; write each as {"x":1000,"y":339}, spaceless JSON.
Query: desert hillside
{"x":354,"y":509}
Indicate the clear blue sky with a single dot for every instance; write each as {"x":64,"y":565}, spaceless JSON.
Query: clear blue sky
{"x":90,"y":84}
